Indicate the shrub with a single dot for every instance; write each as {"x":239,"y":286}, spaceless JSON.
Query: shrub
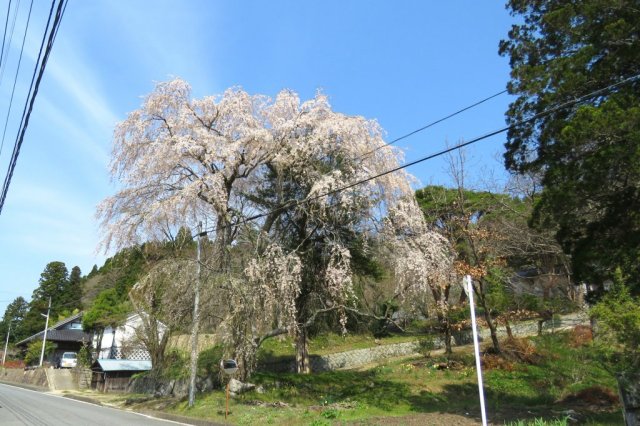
{"x":34,"y":349}
{"x":209,"y":361}
{"x":618,"y":334}
{"x":426,"y":345}
{"x":84,"y":356}
{"x":176,"y":363}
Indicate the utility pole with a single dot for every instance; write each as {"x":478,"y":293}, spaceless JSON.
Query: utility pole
{"x":46,"y":326}
{"x":6,"y":345}
{"x":195,"y":326}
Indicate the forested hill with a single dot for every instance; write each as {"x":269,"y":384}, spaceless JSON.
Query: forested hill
{"x":102,"y":293}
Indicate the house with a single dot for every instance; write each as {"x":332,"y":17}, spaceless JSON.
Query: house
{"x":67,"y":334}
{"x":546,"y":284}
{"x":115,"y":374}
{"x":121,"y":354}
{"x":122,"y":342}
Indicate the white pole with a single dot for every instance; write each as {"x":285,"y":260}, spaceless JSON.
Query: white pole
{"x":195,"y":325}
{"x":6,"y":345}
{"x":44,"y":338}
{"x":476,"y":347}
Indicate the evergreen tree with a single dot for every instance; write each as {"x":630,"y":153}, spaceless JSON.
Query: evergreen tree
{"x":13,"y":317}
{"x":73,"y":289}
{"x":53,"y":283}
{"x":589,"y":156}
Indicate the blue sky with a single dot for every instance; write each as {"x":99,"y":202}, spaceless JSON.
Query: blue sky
{"x":404,"y":63}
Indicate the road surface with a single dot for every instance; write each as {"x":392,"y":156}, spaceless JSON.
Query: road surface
{"x":19,"y":407}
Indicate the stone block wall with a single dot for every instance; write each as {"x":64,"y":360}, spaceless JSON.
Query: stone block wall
{"x":35,"y":377}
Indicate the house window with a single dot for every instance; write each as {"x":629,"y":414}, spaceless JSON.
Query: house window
{"x":75,"y":326}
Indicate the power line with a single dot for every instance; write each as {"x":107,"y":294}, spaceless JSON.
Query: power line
{"x":541,"y":114}
{"x":15,"y":78}
{"x":26,"y":114}
{"x":433,"y":123}
{"x":13,"y":27}
{"x":4,"y":35}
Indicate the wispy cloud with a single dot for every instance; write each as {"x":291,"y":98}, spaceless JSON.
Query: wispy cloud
{"x":80,"y":83}
{"x":53,"y":223}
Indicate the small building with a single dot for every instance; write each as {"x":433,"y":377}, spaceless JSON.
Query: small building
{"x":122,"y":342}
{"x":113,"y":375}
{"x":67,"y":334}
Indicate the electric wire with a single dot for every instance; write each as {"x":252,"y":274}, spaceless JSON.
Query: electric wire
{"x":13,"y":28}
{"x":541,"y":114}
{"x":15,"y":78}
{"x":31,"y":99}
{"x":433,"y":123}
{"x":4,"y":34}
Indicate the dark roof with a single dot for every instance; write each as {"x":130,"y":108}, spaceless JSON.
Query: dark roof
{"x":60,"y":336}
{"x":67,"y":320}
{"x":55,"y":335}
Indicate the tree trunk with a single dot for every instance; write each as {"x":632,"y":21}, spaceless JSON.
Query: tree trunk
{"x":447,"y":339}
{"x":446,"y":329}
{"x":629,"y":387}
{"x":303,"y":365}
{"x":490,"y":323}
{"x":508,"y":327}
{"x":494,"y":334}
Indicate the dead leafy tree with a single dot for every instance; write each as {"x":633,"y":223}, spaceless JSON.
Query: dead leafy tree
{"x":163,"y":299}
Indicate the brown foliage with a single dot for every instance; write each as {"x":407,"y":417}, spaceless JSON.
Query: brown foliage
{"x":520,"y":349}
{"x":17,"y":363}
{"x":595,"y":395}
{"x":580,"y":336}
{"x":496,"y":362}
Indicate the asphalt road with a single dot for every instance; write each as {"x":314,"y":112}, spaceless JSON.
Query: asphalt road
{"x":26,"y":407}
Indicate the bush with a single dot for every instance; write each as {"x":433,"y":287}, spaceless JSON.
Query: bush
{"x":426,"y":345}
{"x":618,"y":333}
{"x":176,"y":365}
{"x":84,"y":356}
{"x":34,"y":350}
{"x":209,"y":361}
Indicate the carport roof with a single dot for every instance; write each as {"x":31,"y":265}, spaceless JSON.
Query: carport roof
{"x":122,"y":365}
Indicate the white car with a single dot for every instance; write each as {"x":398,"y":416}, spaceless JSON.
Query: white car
{"x":68,"y":360}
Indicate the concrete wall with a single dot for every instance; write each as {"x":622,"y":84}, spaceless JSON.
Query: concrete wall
{"x":35,"y":377}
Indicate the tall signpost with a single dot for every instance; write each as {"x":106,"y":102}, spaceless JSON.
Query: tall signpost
{"x":476,"y":346}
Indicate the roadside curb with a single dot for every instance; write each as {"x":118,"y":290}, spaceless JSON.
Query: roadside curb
{"x":83,"y":399}
{"x":178,"y":418}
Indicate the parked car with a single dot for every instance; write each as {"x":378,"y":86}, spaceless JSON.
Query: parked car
{"x":68,"y":360}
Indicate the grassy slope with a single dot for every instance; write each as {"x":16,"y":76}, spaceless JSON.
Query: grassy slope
{"x":412,"y":386}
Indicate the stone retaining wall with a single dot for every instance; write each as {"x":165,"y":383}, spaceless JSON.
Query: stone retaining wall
{"x":82,"y":377}
{"x":35,"y":377}
{"x":360,"y":357}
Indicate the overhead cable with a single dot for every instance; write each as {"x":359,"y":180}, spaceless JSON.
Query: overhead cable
{"x":15,"y":78}
{"x":5,"y":53}
{"x":433,"y":123}
{"x":541,"y":114}
{"x":26,"y":114}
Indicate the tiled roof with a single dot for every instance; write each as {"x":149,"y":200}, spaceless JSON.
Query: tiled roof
{"x":69,"y":335}
{"x":67,"y":320}
{"x":60,"y":336}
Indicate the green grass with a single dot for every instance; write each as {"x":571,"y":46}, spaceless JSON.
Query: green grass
{"x":525,"y":395}
{"x":540,"y":422}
